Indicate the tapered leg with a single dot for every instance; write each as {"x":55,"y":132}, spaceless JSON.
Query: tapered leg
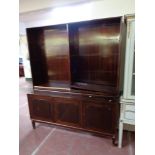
{"x":114,"y":140}
{"x":120,"y":134}
{"x":33,"y":124}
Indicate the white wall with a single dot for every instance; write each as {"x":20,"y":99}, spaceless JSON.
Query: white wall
{"x":79,"y":12}
{"x":22,"y":28}
{"x":24,"y":54}
{"x":31,"y":5}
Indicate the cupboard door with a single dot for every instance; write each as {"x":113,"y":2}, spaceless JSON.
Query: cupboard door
{"x":68,"y":111}
{"x":40,"y":107}
{"x":98,"y":116}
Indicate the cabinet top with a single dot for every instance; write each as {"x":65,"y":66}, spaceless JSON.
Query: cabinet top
{"x":111,"y":19}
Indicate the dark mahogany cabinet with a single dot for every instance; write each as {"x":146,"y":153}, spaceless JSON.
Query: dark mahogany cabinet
{"x":76,"y":75}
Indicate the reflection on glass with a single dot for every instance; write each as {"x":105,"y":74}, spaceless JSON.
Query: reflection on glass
{"x":133,"y":78}
{"x":133,"y":85}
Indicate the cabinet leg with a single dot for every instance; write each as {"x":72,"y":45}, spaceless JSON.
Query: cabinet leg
{"x":114,"y":140}
{"x":33,"y":124}
{"x":120,"y":134}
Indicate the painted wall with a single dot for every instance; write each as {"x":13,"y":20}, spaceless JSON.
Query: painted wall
{"x":79,"y":12}
{"x":25,"y":56}
{"x":29,"y":5}
{"x":22,"y":28}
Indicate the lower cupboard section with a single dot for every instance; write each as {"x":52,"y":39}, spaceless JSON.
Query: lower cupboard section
{"x":98,"y":116}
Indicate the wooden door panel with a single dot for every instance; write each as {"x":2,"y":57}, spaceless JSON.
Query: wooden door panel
{"x":41,"y":107}
{"x":98,"y":116}
{"x":68,"y":111}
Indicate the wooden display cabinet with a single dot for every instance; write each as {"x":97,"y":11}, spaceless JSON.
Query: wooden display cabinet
{"x":76,"y":75}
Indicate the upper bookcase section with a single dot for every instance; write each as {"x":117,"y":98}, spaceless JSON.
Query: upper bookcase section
{"x":82,"y":55}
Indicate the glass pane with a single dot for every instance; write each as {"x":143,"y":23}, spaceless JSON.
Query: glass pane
{"x":133,"y":78}
{"x":133,"y":85}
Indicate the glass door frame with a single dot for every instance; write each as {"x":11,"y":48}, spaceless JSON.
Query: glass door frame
{"x":129,"y":59}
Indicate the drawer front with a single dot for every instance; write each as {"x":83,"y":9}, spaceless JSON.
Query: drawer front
{"x":100,"y":98}
{"x":68,"y":111}
{"x":129,"y":115}
{"x":129,"y":107}
{"x":40,"y":107}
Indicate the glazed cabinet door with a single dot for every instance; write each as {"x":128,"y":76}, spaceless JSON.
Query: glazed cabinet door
{"x":68,"y":111}
{"x":41,"y":107}
{"x":98,"y":116}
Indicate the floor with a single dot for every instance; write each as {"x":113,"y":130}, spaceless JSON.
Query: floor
{"x":49,"y":140}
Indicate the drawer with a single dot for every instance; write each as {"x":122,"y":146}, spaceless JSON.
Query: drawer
{"x":129,"y":107}
{"x":63,"y":99}
{"x":129,"y":115}
{"x":99,"y":98}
